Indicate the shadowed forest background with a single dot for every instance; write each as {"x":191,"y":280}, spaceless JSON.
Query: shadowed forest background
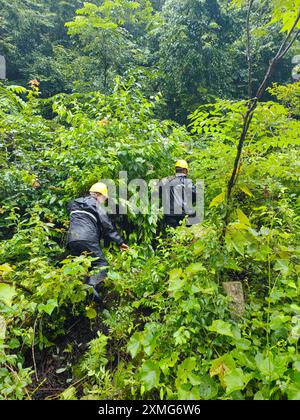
{"x":191,"y":51}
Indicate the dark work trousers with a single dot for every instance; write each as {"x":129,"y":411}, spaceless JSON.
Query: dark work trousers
{"x":173,"y":221}
{"x":93,"y":249}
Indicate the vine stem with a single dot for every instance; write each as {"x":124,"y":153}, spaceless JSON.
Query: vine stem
{"x":32,"y":350}
{"x":17,"y":376}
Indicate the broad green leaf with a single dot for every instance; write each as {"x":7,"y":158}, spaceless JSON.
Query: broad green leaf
{"x":220,"y":366}
{"x":246,"y":190}
{"x":272,"y":367}
{"x":188,"y":393}
{"x":91,"y":313}
{"x":232,"y":264}
{"x":175,"y":274}
{"x":243,"y":343}
{"x":259,"y":396}
{"x":235,"y":238}
{"x":278,"y":321}
{"x":5,"y":268}
{"x":218,"y":200}
{"x":234,"y":380}
{"x":194,"y":379}
{"x":295,"y":308}
{"x":244,"y":358}
{"x":184,"y":370}
{"x":195,"y":268}
{"x":265,"y":364}
{"x":282,"y":266}
{"x":134,"y":346}
{"x":14,"y":343}
{"x":208,"y":389}
{"x":221,"y":327}
{"x":182,"y":336}
{"x":169,"y":362}
{"x":7,"y":293}
{"x":285,"y":12}
{"x":176,"y":282}
{"x":293,"y":391}
{"x":243,"y":218}
{"x":188,"y":364}
{"x":150,"y":375}
{"x":150,"y":336}
{"x":49,"y":307}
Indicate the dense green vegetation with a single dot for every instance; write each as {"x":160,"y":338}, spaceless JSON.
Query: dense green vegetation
{"x":190,"y":50}
{"x":113,"y":96}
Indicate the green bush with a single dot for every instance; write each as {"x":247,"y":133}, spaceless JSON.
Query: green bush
{"x":168,"y":328}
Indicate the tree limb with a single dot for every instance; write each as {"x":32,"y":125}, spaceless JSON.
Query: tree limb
{"x":252,"y":105}
{"x":249,"y":57}
{"x":290,"y":44}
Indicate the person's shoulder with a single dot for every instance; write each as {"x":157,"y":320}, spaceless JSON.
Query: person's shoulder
{"x":89,"y":199}
{"x":189,"y":181}
{"x":77,"y":200}
{"x":88,"y":203}
{"x":168,"y":179}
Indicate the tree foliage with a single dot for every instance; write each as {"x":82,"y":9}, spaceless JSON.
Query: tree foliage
{"x":167,"y":329}
{"x":169,"y":296}
{"x":191,"y":51}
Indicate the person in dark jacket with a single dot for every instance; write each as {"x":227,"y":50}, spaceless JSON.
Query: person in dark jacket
{"x":89,"y":223}
{"x":178,"y":194}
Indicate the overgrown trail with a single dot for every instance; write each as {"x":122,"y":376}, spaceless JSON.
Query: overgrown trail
{"x":55,"y":365}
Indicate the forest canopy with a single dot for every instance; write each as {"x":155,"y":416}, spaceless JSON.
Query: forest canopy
{"x":190,"y":50}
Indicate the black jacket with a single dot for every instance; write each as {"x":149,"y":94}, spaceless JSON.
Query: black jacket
{"x":90,"y":222}
{"x":178,"y":195}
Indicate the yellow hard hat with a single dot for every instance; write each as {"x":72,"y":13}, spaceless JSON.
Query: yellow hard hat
{"x":182,"y":164}
{"x":100,"y":188}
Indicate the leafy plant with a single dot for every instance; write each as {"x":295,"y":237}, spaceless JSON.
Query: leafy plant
{"x":167,"y":330}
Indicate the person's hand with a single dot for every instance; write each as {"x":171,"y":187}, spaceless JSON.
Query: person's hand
{"x":124,"y":247}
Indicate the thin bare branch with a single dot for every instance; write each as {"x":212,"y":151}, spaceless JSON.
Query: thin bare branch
{"x":32,"y":350}
{"x":284,"y":48}
{"x":289,"y":46}
{"x":249,"y":48}
{"x":286,"y":41}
